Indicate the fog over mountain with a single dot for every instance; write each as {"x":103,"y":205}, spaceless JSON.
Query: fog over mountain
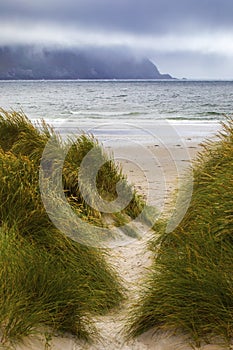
{"x":186,"y":38}
{"x":35,"y":62}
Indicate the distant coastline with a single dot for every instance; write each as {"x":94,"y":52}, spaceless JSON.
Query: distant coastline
{"x":33,"y":62}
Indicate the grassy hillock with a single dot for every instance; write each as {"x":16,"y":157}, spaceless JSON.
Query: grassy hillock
{"x":190,"y":287}
{"x":46,"y":278}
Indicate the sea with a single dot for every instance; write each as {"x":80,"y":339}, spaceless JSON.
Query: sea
{"x":123,"y":110}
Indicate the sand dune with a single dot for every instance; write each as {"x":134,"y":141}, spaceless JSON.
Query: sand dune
{"x":157,"y":171}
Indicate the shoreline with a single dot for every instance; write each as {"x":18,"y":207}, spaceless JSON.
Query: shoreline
{"x":144,"y":131}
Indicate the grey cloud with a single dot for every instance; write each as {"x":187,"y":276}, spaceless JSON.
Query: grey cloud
{"x":147,"y":16}
{"x":143,"y":25}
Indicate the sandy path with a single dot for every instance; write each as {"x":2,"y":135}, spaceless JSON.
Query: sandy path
{"x":132,"y":261}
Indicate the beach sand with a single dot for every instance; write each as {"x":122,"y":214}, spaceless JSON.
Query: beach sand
{"x":156,"y":172}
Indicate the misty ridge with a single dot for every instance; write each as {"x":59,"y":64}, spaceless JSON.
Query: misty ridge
{"x":35,"y":62}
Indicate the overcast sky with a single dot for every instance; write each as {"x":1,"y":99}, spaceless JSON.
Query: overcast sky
{"x":186,"y":38}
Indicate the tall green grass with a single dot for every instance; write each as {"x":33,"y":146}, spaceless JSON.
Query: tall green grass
{"x":37,"y":288}
{"x":46,"y":278}
{"x":190,"y":287}
{"x":19,"y":136}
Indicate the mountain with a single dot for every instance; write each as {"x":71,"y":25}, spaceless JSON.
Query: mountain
{"x":31,"y":62}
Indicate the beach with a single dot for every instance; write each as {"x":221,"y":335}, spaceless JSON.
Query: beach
{"x":116,"y":175}
{"x":156,"y":171}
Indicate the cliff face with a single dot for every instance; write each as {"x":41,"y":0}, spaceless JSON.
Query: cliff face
{"x":27,"y":62}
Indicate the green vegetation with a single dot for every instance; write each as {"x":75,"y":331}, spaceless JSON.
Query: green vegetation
{"x":190,"y":287}
{"x":19,"y":136}
{"x":46,"y":278}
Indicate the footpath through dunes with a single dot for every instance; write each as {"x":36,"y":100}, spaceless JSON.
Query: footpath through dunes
{"x":131,"y":262}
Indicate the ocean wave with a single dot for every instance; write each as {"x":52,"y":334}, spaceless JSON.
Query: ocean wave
{"x":202,"y":116}
{"x":99,"y":115}
{"x":213,"y":113}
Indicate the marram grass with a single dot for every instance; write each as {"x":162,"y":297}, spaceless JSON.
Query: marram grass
{"x":47,"y":279}
{"x":39,"y":289}
{"x":19,"y":136}
{"x":190,"y":287}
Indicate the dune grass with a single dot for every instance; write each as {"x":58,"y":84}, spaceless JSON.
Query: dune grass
{"x":190,"y":287}
{"x":39,"y":289}
{"x":47,"y":279}
{"x":19,"y":136}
